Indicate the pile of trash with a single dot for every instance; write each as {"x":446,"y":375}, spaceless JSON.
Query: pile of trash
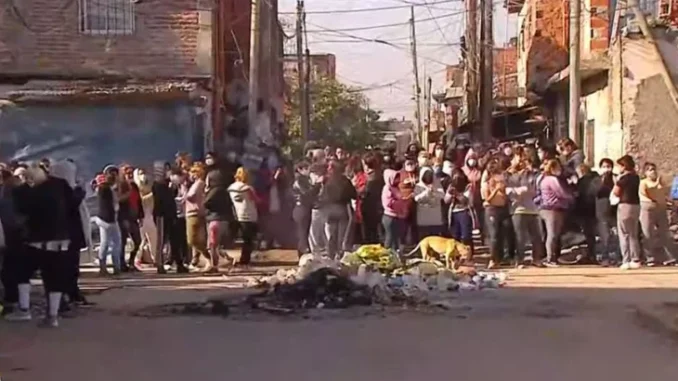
{"x":369,"y":275}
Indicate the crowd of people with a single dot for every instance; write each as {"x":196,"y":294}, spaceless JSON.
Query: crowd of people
{"x":521,"y":199}
{"x":525,"y":200}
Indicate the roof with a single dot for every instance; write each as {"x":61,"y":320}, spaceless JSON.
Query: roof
{"x":588,"y":68}
{"x":51,"y":90}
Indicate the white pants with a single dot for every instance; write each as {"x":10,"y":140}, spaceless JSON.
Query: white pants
{"x":149,"y":234}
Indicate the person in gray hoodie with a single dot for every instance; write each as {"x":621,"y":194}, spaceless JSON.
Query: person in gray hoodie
{"x":521,"y":188}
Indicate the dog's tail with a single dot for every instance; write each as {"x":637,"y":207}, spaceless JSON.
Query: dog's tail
{"x":413,"y":251}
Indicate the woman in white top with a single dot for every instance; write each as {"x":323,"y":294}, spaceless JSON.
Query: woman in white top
{"x":245,"y":206}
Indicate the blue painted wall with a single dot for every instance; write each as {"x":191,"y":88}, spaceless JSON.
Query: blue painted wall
{"x":98,"y":135}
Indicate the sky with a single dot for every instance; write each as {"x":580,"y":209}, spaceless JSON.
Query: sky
{"x":387,"y":70}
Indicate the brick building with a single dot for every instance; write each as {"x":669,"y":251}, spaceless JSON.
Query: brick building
{"x":506,"y":74}
{"x":120,"y":80}
{"x":322,"y":66}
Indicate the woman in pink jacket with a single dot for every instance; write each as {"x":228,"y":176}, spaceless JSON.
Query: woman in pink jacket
{"x":395,"y":210}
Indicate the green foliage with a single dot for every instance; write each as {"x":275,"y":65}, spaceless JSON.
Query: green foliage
{"x":339,"y":117}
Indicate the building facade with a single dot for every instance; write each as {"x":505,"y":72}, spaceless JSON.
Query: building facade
{"x":322,"y":66}
{"x":119,"y":80}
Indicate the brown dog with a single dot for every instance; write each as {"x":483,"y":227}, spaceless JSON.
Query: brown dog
{"x":454,"y":251}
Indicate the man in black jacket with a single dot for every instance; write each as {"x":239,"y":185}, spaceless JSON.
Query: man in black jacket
{"x":372,"y":209}
{"x":47,"y":205}
{"x":588,"y":186}
{"x":165,"y":216}
{"x":219,"y":210}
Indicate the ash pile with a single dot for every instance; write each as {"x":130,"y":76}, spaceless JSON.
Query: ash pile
{"x":370,"y":276}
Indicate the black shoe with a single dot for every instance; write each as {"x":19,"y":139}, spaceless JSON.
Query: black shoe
{"x":162,"y":271}
{"x":182,"y":270}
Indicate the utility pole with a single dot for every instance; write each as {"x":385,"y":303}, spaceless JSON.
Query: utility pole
{"x":307,"y":87}
{"x":575,"y":79}
{"x":417,"y":88}
{"x":302,"y":74}
{"x":424,"y":135}
{"x":472,"y":53}
{"x":255,"y":43}
{"x":649,"y":37}
{"x":487,"y":99}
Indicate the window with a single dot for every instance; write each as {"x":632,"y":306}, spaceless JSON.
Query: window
{"x":107,"y":17}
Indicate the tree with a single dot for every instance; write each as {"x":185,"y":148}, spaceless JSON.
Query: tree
{"x":340,"y":117}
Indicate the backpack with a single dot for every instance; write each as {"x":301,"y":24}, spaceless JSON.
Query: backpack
{"x":674,"y":189}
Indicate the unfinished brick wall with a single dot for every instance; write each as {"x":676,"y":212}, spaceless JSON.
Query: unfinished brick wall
{"x":46,"y":39}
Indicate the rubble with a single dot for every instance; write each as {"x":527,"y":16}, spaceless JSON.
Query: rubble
{"x":369,"y":275}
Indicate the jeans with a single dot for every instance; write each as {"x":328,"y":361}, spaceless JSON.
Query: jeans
{"x":500,"y":231}
{"x":606,"y":229}
{"x":462,"y":227}
{"x":110,"y":236}
{"x":528,"y":232}
{"x":392,"y":232}
{"x":336,"y":227}
{"x":302,"y":221}
{"x":628,"y":217}
{"x":554,"y":222}
{"x":655,"y":226}
{"x":317,"y":239}
{"x":130,"y":229}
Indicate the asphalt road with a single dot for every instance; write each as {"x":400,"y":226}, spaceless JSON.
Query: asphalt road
{"x":556,"y":324}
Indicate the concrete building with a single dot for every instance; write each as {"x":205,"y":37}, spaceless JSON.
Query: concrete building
{"x":626,"y":106}
{"x":322,"y":66}
{"x":124,"y":81}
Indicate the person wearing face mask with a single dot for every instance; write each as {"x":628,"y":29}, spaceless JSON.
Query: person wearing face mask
{"x":654,"y":192}
{"x":498,"y":218}
{"x":196,"y":225}
{"x":170,"y":228}
{"x":395,"y":210}
{"x":412,"y":151}
{"x":304,"y":197}
{"x":107,"y":221}
{"x":438,"y":157}
{"x":47,"y":205}
{"x":428,"y":194}
{"x":606,"y":213}
{"x":147,"y":226}
{"x":218,"y":213}
{"x":521,"y":189}
{"x":628,"y":212}
{"x":370,"y":196}
{"x":572,"y":158}
{"x":423,"y":160}
{"x":588,"y":185}
{"x":408,"y":181}
{"x":473,"y":174}
{"x":554,"y":202}
{"x":459,"y":218}
{"x":130,"y":215}
{"x":317,"y":238}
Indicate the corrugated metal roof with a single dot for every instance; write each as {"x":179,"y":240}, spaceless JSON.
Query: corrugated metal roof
{"x":77,"y":88}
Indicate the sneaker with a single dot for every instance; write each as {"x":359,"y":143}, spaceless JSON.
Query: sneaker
{"x":551,"y":264}
{"x":625,"y":266}
{"x":182,"y":270}
{"x":634,"y":265}
{"x":49,"y":322}
{"x":19,"y":315}
{"x":670,"y":262}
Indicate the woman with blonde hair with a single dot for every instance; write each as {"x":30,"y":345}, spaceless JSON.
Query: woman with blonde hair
{"x":245,"y":205}
{"x":196,"y":225}
{"x":555,"y":200}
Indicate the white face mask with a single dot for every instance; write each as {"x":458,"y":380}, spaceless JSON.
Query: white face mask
{"x":605,"y":170}
{"x":304,"y":172}
{"x":472,"y":162}
{"x":541,"y":155}
{"x":422,"y":161}
{"x":209,"y":161}
{"x":508,"y":152}
{"x":439,"y":153}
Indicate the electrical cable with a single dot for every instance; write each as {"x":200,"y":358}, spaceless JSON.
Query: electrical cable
{"x":376,"y":9}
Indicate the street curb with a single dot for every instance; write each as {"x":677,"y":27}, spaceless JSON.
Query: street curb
{"x":656,"y":323}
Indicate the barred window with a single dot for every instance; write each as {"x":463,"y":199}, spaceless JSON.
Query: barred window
{"x":107,"y":17}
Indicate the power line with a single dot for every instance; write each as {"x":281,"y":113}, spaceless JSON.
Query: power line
{"x":370,"y":27}
{"x":375,"y":9}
